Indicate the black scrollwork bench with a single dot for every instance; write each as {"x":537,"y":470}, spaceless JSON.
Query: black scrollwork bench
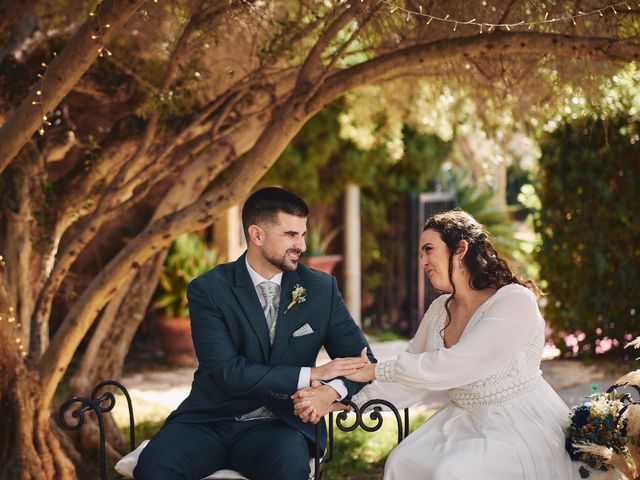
{"x":103,"y":403}
{"x":100,"y":406}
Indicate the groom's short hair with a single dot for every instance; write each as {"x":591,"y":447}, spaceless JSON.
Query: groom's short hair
{"x":263,"y":206}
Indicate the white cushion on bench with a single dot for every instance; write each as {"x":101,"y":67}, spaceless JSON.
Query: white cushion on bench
{"x":127,"y":463}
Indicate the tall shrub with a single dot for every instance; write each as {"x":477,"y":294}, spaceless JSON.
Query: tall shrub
{"x":590,"y":253}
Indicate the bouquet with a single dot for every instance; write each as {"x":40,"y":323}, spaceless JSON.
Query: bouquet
{"x":604,"y":432}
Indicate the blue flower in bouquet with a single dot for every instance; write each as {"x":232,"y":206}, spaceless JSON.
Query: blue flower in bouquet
{"x":596,"y":423}
{"x":580,"y":416}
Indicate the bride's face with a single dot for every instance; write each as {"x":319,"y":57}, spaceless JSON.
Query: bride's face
{"x":434,"y":259}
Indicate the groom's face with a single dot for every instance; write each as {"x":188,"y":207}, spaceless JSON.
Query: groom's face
{"x":284,"y":241}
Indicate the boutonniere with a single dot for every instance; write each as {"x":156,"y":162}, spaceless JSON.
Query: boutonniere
{"x":298,"y":295}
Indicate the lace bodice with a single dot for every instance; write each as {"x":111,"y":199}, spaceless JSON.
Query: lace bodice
{"x":496,"y":358}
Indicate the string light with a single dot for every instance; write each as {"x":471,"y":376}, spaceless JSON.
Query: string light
{"x":40,"y":101}
{"x":490,"y":26}
{"x":11,"y":319}
{"x":102,"y":48}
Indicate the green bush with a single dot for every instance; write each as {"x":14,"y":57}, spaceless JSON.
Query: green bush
{"x":590,"y":253}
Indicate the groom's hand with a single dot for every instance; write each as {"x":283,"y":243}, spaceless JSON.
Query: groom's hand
{"x":311,"y":404}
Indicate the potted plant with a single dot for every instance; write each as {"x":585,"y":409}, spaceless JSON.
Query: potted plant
{"x":317,"y":244}
{"x":187,"y":258}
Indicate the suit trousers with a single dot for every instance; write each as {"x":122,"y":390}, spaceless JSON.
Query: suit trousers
{"x":258,"y":449}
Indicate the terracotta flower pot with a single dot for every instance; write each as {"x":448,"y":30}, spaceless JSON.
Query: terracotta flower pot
{"x":175,"y":338}
{"x":325,"y":263}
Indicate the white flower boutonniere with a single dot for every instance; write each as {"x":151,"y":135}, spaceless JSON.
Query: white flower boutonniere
{"x":298,"y":295}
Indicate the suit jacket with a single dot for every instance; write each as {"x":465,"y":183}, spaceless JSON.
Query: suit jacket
{"x":239,"y":370}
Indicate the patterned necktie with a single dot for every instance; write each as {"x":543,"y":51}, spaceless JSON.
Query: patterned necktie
{"x":270,"y":293}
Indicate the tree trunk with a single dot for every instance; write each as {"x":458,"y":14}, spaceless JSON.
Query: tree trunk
{"x":29,"y":448}
{"x":108,"y":348}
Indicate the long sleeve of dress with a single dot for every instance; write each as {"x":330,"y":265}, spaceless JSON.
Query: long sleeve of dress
{"x":502,"y":332}
{"x":401,"y":395}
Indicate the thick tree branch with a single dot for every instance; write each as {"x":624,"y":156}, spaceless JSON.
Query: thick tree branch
{"x":120,"y":192}
{"x":159,"y":168}
{"x":158,"y":235}
{"x":63,"y":73}
{"x":463,"y":48}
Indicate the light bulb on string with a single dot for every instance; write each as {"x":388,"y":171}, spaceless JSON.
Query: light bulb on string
{"x":16,"y":325}
{"x":393,"y":7}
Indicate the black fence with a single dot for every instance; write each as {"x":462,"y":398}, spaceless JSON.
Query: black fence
{"x":405,"y":292}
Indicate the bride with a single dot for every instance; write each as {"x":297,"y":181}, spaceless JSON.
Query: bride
{"x":482,"y":342}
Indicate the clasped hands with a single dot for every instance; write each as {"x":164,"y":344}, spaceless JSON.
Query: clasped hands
{"x":312,"y":403}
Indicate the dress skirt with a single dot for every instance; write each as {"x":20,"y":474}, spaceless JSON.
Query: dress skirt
{"x":521,"y":438}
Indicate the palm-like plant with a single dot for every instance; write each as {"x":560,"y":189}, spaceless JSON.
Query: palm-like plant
{"x":188,"y":257}
{"x":318,"y":238}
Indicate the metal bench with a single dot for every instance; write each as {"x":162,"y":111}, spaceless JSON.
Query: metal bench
{"x":102,"y":403}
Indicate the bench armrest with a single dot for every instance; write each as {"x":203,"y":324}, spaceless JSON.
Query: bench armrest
{"x":99,"y":405}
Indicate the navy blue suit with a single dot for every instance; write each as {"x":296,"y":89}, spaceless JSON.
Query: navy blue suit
{"x":239,"y":370}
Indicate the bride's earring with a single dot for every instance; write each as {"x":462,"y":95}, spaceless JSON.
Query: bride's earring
{"x":461,"y":266}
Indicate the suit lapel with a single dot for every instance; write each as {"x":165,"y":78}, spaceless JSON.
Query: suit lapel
{"x":246,"y":295}
{"x":286,"y":318}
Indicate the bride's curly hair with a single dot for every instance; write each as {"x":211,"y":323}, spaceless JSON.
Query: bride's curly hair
{"x":486,"y":268}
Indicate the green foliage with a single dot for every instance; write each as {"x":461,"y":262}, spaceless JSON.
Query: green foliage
{"x":319,"y":164}
{"x":299,"y":168}
{"x":384,"y":200}
{"x":188,"y":257}
{"x":616,"y":97}
{"x":481,"y":202}
{"x":590,"y":256}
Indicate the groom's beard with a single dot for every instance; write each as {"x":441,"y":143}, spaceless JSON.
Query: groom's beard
{"x":284,"y":262}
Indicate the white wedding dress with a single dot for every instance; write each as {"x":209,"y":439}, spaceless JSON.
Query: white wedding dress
{"x":503,"y":420}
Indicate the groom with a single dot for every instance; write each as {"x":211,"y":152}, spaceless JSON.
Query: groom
{"x":257,"y":326}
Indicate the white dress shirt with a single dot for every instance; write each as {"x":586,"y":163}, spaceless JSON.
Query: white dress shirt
{"x":304,"y":380}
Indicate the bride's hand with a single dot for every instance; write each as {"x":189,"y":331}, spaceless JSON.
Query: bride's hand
{"x":339,"y":367}
{"x":365,"y":373}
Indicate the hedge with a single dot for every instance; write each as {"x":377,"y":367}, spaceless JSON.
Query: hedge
{"x":590,"y":228}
